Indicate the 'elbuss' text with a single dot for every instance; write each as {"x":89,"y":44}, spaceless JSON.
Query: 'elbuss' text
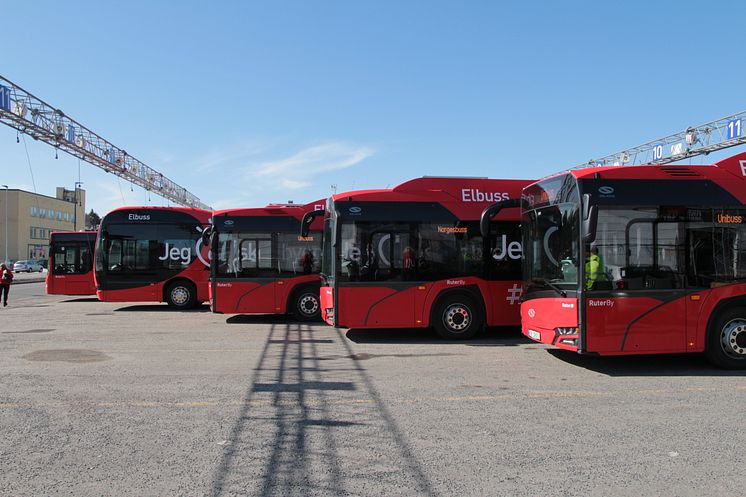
{"x":139,"y":217}
{"x":476,"y":195}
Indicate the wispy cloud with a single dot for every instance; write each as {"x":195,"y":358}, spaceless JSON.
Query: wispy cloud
{"x":230,"y":156}
{"x":254,"y":173}
{"x":299,"y":169}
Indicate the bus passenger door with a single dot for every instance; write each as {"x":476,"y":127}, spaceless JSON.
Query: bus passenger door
{"x":390,"y":261}
{"x":644,"y":307}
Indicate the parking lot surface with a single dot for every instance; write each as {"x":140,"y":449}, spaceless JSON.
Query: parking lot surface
{"x":135,"y":399}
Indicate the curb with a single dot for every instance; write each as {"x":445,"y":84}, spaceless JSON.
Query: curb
{"x":29,"y":280}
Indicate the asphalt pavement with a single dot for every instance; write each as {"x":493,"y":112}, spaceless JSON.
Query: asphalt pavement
{"x":135,"y":399}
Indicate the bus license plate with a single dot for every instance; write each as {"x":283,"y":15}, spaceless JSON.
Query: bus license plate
{"x":534,"y":334}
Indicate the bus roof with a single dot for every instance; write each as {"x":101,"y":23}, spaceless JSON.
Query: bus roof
{"x":294,"y":210}
{"x":86,"y":232}
{"x":729,"y":173}
{"x":724,"y":169}
{"x":465,"y":197}
{"x":73,"y":235}
{"x":201,"y":215}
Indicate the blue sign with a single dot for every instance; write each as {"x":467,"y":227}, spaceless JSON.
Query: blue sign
{"x":5,"y":98}
{"x":734,"y":129}
{"x":71,"y":133}
{"x":657,"y":152}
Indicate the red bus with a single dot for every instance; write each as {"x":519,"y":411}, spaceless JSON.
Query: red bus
{"x":638,"y":260}
{"x":413,"y":257}
{"x":261,"y":263}
{"x":153,"y":254}
{"x":70,"y":269}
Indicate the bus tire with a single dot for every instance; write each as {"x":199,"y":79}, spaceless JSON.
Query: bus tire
{"x":458,"y":317}
{"x":726,"y":340}
{"x":181,"y":294}
{"x":306,"y":304}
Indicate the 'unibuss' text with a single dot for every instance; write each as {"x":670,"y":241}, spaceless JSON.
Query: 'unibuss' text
{"x":476,"y":195}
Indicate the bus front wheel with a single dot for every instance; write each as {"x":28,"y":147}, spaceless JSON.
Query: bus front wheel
{"x":181,"y":295}
{"x":726,"y":342}
{"x":458,"y":317}
{"x":306,"y":304}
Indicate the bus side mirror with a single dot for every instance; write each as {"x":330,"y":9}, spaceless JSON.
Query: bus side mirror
{"x":492,"y":211}
{"x":590,"y":219}
{"x":206,"y":234}
{"x":305,"y":224}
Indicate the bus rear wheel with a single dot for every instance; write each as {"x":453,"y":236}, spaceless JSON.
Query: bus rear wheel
{"x":306,"y":304}
{"x":726,"y":342}
{"x":181,"y":295}
{"x":458,"y":317}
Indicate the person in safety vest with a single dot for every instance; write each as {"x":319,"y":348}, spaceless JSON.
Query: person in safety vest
{"x":594,"y":269}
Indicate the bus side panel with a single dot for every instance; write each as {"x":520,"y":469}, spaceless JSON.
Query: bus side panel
{"x":327,"y":304}
{"x":628,"y":325}
{"x":147,"y":293}
{"x":201,"y":281}
{"x":376,"y":307}
{"x":662,"y":330}
{"x":72,"y":284}
{"x":249,"y":297}
{"x":502,"y":302}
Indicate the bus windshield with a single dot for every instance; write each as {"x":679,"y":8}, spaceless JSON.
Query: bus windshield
{"x":73,"y":257}
{"x":552,"y":246}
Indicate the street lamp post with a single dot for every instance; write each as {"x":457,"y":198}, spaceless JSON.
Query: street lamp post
{"x":75,"y":211}
{"x":6,"y":222}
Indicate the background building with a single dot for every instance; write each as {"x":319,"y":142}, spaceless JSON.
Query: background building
{"x":31,"y":217}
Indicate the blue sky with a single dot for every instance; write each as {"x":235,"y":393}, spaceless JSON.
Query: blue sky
{"x":246,"y":103}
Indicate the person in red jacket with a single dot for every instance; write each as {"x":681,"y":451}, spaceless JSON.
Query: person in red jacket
{"x":6,"y":278}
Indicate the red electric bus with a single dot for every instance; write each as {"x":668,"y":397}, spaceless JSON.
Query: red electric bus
{"x":70,"y":269}
{"x":413,"y":257}
{"x":638,"y":260}
{"x":153,"y":254}
{"x":261,"y":263}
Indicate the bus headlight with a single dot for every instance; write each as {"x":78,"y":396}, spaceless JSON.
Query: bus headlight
{"x":566,"y":331}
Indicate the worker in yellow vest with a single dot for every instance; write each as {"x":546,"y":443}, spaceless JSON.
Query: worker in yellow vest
{"x":594,"y":269}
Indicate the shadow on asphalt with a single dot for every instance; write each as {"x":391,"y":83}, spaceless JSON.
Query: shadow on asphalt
{"x":491,"y":337}
{"x":81,"y":299}
{"x":293,"y":444}
{"x":266,"y":319}
{"x":645,"y":365}
{"x":161,"y":308}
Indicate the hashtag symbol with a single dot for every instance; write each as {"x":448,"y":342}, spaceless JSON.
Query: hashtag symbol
{"x":514,"y":293}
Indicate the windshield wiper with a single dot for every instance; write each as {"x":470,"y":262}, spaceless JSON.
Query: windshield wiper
{"x":546,"y":282}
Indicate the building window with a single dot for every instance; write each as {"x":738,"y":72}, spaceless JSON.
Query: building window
{"x":42,"y":212}
{"x":38,"y":251}
{"x":33,"y":212}
{"x":37,"y":233}
{"x":59,"y":215}
{"x":51,"y":214}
